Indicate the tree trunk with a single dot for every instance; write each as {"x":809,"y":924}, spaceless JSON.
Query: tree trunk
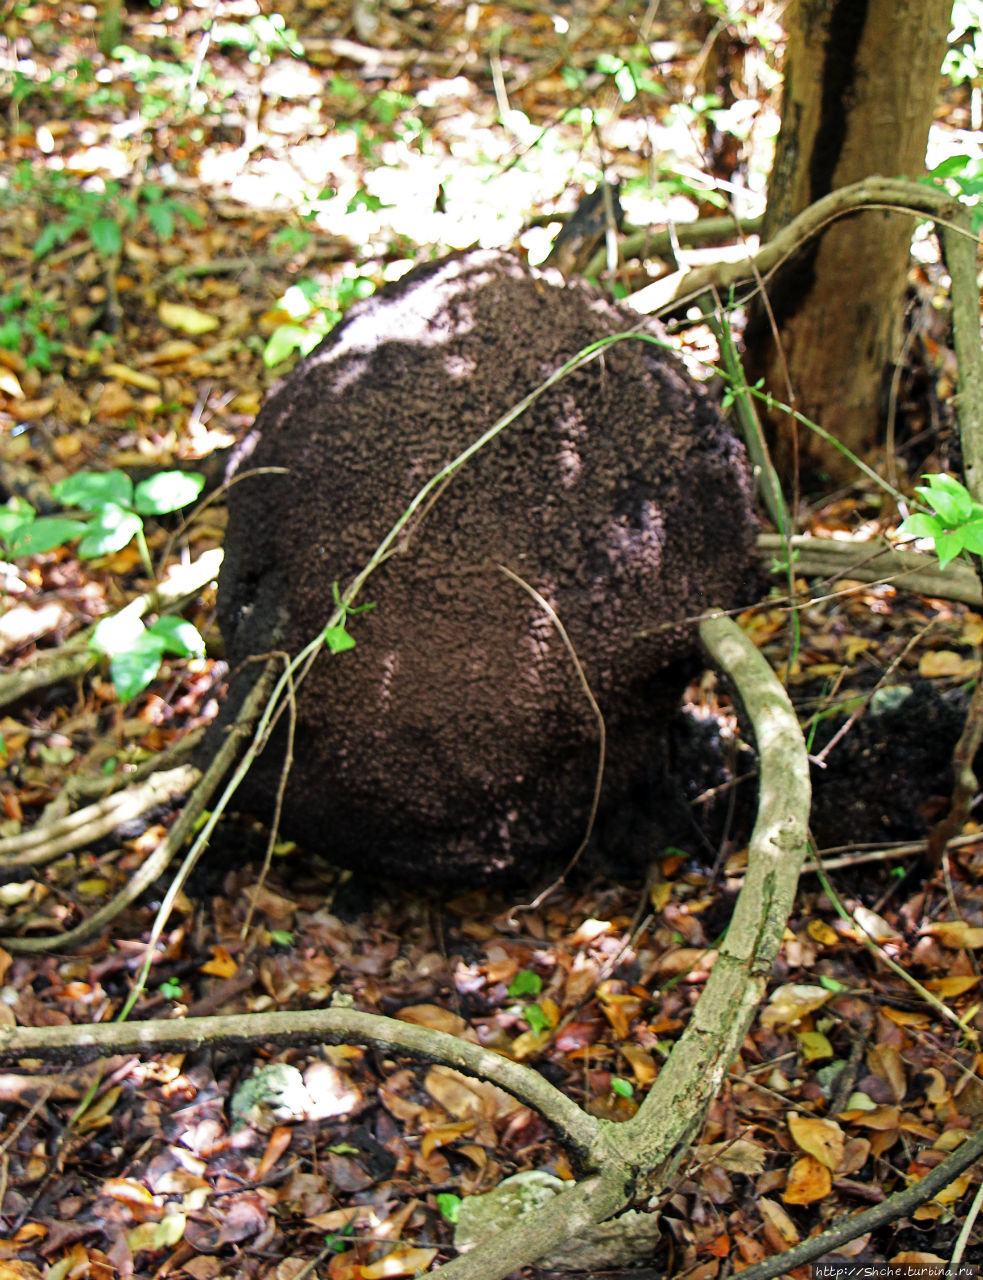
{"x":860,"y":86}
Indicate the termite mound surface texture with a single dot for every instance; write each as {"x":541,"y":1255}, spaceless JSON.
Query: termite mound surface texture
{"x":455,"y":742}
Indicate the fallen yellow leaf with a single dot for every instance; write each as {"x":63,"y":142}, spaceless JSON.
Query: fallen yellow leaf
{"x":808,"y":1181}
{"x":822,"y":1139}
{"x":177,"y":315}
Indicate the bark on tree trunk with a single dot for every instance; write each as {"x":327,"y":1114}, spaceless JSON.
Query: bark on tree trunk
{"x":860,"y":86}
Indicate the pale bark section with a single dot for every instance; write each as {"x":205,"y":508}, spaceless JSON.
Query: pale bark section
{"x":845,"y":118}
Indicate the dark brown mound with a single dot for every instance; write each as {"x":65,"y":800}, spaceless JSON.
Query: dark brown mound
{"x":455,"y":741}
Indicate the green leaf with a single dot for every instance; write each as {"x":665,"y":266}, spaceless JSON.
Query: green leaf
{"x":37,"y":536}
{"x":178,"y":636}
{"x":831,"y":984}
{"x":49,"y":237}
{"x":106,"y":237}
{"x":111,"y":530}
{"x":525,"y":983}
{"x":161,"y":218}
{"x":92,"y":489}
{"x":537,"y":1020}
{"x":920,"y":525}
{"x":282,"y":937}
{"x":625,"y":84}
{"x":449,"y":1205}
{"x":971,"y":536}
{"x":168,"y":491}
{"x":283,"y":342}
{"x":118,"y":633}
{"x":338,"y":640}
{"x":133,"y":669}
{"x":622,"y":1087}
{"x":947,"y":547}
{"x":948,"y":497}
{"x":14,"y":515}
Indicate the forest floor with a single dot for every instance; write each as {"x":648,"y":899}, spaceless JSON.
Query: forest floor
{"x":176,"y":221}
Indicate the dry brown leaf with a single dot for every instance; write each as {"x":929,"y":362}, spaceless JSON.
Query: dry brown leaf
{"x":178,"y":315}
{"x":808,"y":1181}
{"x":885,"y":1061}
{"x":776,"y":1217}
{"x":945,"y":662}
{"x":819,"y":931}
{"x":132,"y":377}
{"x":404,"y":1261}
{"x":434,"y":1018}
{"x":789,"y":1004}
{"x":946,"y":988}
{"x":822,"y":1139}
{"x":956,"y":934}
{"x":114,"y":401}
{"x":221,"y":964}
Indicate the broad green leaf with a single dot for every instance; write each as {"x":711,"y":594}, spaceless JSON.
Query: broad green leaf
{"x":525,"y":983}
{"x":178,"y":636}
{"x":537,"y":1019}
{"x":18,"y":511}
{"x":971,"y":536}
{"x":111,"y":530}
{"x":168,"y":491}
{"x":37,"y":536}
{"x":947,"y":547}
{"x":161,"y":218}
{"x":337,"y":639}
{"x":621,"y":1087}
{"x":91,"y":490}
{"x":920,"y":525}
{"x":283,"y":342}
{"x":133,"y":669}
{"x":118,"y":633}
{"x":625,"y":82}
{"x":15,"y":517}
{"x":449,"y":1205}
{"x":106,"y":236}
{"x":46,"y":241}
{"x":948,"y":497}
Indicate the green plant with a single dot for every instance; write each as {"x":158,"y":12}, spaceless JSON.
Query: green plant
{"x":956,"y":525}
{"x":449,"y":1205}
{"x":964,"y":59}
{"x":98,"y":211}
{"x":314,"y":310}
{"x":631,"y":76}
{"x":112,"y":517}
{"x":171,"y":989}
{"x":962,"y":174}
{"x":528,"y":983}
{"x":258,"y":37}
{"x":26,"y":324}
{"x":169,"y":86}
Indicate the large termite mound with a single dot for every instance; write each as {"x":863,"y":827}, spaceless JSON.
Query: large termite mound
{"x":456,"y":740}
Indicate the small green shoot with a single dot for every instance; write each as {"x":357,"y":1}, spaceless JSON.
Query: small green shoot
{"x":539,"y":1023}
{"x":525,"y":983}
{"x":171,"y":989}
{"x":957,"y":525}
{"x":623,"y":1088}
{"x":113,"y":517}
{"x":449,"y":1205}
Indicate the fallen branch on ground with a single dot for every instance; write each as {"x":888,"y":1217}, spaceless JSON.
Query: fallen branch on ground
{"x":623,"y":1162}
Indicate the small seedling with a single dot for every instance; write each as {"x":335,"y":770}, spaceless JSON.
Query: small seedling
{"x":957,"y":525}
{"x":113,"y":517}
{"x":449,"y":1205}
